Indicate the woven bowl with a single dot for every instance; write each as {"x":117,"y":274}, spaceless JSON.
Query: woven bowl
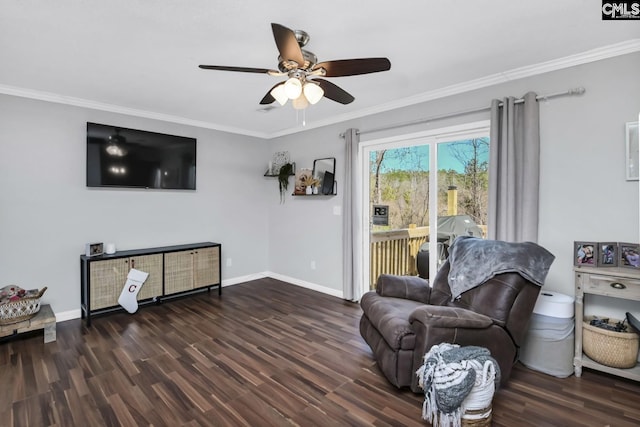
{"x":20,"y":310}
{"x":610,"y":348}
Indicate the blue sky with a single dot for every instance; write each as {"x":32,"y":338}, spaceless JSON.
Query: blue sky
{"x":419,"y":156}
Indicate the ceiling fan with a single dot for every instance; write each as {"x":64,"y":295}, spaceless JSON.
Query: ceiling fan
{"x":303,"y":71}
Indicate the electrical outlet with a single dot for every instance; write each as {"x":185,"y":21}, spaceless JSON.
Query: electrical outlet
{"x":229,"y":262}
{"x":313,"y":265}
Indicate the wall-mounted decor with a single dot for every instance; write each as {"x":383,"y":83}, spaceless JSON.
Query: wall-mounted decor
{"x":607,"y":254}
{"x":279,"y":159}
{"x":584,"y":253}
{"x":280,"y":166}
{"x":324,"y":171}
{"x":304,"y":177}
{"x":633,"y":151}
{"x":629,"y":255}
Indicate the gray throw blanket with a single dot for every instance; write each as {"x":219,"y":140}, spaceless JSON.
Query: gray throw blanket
{"x":474,"y":261}
{"x":447,"y":377}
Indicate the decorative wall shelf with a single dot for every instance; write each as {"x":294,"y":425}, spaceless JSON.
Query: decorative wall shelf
{"x":333,"y":193}
{"x":323,"y":174}
{"x":275,"y":175}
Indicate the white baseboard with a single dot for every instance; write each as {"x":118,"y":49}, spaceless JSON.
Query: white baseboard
{"x":68,"y":315}
{"x":75,"y":314}
{"x":305,"y":284}
{"x":242,"y":279}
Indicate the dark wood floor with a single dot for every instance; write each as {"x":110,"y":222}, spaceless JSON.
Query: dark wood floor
{"x":266,"y":353}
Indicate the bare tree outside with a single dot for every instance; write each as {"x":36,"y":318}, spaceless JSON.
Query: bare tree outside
{"x":473,"y":155}
{"x":399,"y":178}
{"x":376,"y":165}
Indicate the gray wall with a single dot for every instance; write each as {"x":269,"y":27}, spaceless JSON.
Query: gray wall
{"x":583,"y":192}
{"x":47,"y":213}
{"x":304,"y":229}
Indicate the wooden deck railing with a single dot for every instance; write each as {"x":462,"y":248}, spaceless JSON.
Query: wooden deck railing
{"x":394,"y":251}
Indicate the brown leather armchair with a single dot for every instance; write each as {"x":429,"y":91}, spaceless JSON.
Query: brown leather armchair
{"x":404,"y":317}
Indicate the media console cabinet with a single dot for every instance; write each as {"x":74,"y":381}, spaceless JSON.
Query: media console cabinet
{"x":173,"y":271}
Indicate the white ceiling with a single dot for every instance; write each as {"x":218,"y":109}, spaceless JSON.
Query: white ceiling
{"x":141,"y":57}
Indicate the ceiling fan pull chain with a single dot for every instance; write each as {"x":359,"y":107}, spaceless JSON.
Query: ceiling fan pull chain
{"x":303,"y":117}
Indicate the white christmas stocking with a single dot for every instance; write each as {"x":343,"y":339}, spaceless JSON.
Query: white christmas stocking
{"x":129,"y":294}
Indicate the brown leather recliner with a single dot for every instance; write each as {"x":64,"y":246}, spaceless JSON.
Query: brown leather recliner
{"x":403,"y":318}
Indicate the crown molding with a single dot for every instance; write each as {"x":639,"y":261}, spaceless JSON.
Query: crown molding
{"x":112,"y":108}
{"x":605,"y":52}
{"x":593,"y":55}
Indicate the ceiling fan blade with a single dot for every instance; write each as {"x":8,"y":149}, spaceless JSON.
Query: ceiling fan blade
{"x":268,"y":98}
{"x":240,"y":69}
{"x":352,"y":67}
{"x":334,"y":92}
{"x":287,"y":44}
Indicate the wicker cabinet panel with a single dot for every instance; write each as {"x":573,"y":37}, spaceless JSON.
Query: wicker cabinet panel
{"x":107,"y":279}
{"x":151,"y":264}
{"x":206,"y":267}
{"x":178,"y":272}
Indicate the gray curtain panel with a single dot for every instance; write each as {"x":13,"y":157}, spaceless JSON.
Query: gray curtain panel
{"x":352,"y":220}
{"x":514,"y":169}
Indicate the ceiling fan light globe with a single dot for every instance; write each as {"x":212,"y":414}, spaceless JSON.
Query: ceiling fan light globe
{"x":313,"y":92}
{"x":293,"y":88}
{"x":300,"y":103}
{"x":279,"y":94}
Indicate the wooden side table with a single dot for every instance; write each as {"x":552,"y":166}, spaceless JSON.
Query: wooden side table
{"x":45,"y":319}
{"x":621,"y":283}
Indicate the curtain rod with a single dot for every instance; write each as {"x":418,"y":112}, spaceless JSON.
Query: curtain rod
{"x":570,"y":92}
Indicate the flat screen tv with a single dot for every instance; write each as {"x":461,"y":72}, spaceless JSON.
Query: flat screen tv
{"x":121,"y":157}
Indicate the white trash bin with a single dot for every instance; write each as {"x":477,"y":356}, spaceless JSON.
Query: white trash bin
{"x":548,"y":346}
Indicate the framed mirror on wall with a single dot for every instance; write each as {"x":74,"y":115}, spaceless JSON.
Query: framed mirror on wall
{"x":324,"y":170}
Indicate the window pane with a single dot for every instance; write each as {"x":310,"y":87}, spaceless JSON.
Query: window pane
{"x":398,"y":208}
{"x":399,"y":178}
{"x":463,"y":185}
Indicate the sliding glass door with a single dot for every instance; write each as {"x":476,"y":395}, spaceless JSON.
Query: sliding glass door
{"x":412,"y":214}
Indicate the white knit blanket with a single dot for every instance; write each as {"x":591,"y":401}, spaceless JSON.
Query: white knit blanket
{"x":454,"y":379}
